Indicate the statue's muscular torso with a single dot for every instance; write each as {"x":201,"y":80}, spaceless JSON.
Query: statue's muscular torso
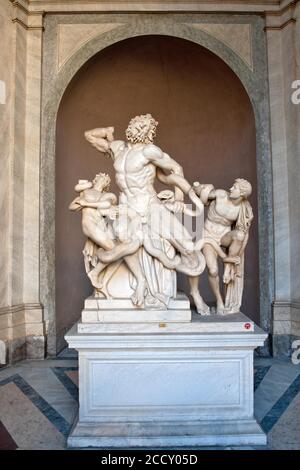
{"x":222,"y":213}
{"x":225,"y":207}
{"x":135,"y":174}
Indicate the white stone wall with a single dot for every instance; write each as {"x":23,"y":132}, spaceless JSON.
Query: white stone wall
{"x":295,"y":237}
{"x":295,"y":175}
{"x":6,"y":70}
{"x":21,"y":325}
{"x":283,"y":37}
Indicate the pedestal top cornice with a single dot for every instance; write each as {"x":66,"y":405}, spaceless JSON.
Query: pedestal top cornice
{"x":243,"y":6}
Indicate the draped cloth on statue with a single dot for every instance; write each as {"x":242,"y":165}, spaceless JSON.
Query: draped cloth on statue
{"x":161,"y":282}
{"x":90,"y":255}
{"x":245,"y":216}
{"x":234,"y":289}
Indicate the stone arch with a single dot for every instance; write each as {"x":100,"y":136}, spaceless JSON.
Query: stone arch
{"x":183,"y":31}
{"x":255,"y":85}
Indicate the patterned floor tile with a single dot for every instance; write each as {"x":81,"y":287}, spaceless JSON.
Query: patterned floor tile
{"x":47,"y":385}
{"x":273,"y":386}
{"x":73,"y":376}
{"x":259,"y":374}
{"x":62,"y":373}
{"x":281,"y":405}
{"x":28,"y":424}
{"x":67,"y":353}
{"x":285,"y":434}
{"x":6,"y":441}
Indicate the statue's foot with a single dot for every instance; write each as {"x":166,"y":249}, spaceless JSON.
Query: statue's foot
{"x":98,"y":294}
{"x":226,"y":277}
{"x":220,"y":308}
{"x":94,"y":279}
{"x":138,"y":296}
{"x":102,"y":293}
{"x":200,"y":305}
{"x":232,"y":259}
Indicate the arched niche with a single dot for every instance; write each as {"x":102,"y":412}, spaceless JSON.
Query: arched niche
{"x":67,"y":81}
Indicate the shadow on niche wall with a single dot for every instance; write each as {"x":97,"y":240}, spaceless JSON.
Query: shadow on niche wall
{"x":206,"y":123}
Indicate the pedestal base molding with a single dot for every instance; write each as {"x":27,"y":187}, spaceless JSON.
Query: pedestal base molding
{"x":22,"y":331}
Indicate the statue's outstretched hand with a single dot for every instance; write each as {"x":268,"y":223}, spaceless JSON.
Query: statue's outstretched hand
{"x":232,"y":259}
{"x":113,"y":212}
{"x":82,"y":202}
{"x":178,"y":207}
{"x":110,"y":134}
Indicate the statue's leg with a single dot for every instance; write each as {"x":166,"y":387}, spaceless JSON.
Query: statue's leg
{"x":94,"y":274}
{"x":234,"y":241}
{"x":160,"y":255}
{"x":201,"y":306}
{"x":166,"y":226}
{"x":97,"y":235}
{"x":133,"y":264}
{"x":118,"y":251}
{"x":107,"y":275}
{"x":192,"y":260}
{"x":178,"y":235}
{"x":169,"y":228}
{"x":213,"y":275}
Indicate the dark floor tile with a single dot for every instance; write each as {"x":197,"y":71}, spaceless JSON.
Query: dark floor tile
{"x":6,"y":441}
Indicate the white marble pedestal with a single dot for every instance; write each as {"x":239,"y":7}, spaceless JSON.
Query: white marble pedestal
{"x":185,"y":384}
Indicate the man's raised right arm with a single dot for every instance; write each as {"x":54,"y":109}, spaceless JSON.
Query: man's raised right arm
{"x":100,"y":138}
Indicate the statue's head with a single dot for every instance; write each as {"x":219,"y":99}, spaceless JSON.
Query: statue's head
{"x":82,"y":185}
{"x":101,"y":182}
{"x":141,"y":129}
{"x":240,"y":188}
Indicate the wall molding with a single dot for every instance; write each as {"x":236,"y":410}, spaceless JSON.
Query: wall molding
{"x":283,"y":9}
{"x":22,"y":5}
{"x":25,"y":26}
{"x":21,"y":320}
{"x":272,"y":7}
{"x":20,"y":307}
{"x":282,"y":26}
{"x":23,"y":332}
{"x":287,"y":303}
{"x":23,"y":17}
{"x":286,"y":318}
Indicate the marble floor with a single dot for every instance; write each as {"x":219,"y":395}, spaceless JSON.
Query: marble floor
{"x":38,"y":402}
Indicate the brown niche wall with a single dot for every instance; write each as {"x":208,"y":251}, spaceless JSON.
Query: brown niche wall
{"x":206,"y":123}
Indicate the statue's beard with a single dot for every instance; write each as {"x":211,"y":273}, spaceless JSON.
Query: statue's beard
{"x":139,"y":137}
